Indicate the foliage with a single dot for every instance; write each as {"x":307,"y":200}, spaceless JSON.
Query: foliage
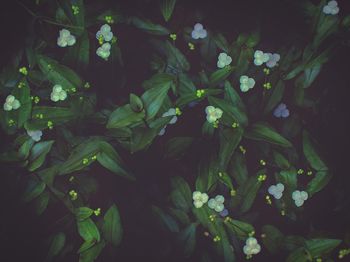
{"x":246,"y":133}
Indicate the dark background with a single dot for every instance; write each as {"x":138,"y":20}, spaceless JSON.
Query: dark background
{"x":281,"y":22}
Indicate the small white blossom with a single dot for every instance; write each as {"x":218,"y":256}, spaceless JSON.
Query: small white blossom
{"x":58,"y":93}
{"x":217,"y":203}
{"x":223,"y":60}
{"x":65,"y":38}
{"x":35,"y":134}
{"x":251,"y":247}
{"x":246,"y":83}
{"x":299,"y":197}
{"x":104,"y":51}
{"x":273,"y":60}
{"x":199,"y":32}
{"x":331,"y":8}
{"x":11,"y":103}
{"x":213,"y":113}
{"x":199,"y":199}
{"x":260,"y":57}
{"x":170,"y":112}
{"x":105,"y":33}
{"x":276,"y":190}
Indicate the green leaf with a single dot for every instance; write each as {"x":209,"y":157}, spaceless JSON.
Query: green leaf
{"x":88,"y":230}
{"x":92,"y":253}
{"x":33,"y":190}
{"x":280,"y":160}
{"x":86,"y":245}
{"x":249,"y":191}
{"x":141,"y":138}
{"x":124,"y":116}
{"x":24,"y":112}
{"x":41,"y":202}
{"x":288,"y":178}
{"x":58,"y":74}
{"x":319,"y":247}
{"x":221,"y":42}
{"x":153,"y":99}
{"x":166,"y":220}
{"x":149,"y":27}
{"x":85,"y":150}
{"x":167,"y":8}
{"x":263,"y":132}
{"x":310,"y":75}
{"x":311,"y":154}
{"x":136,"y":103}
{"x":175,"y":57}
{"x":112,"y":228}
{"x":56,"y":245}
{"x":299,"y":255}
{"x":220,"y":75}
{"x":316,"y":184}
{"x":187,"y":239}
{"x":181,"y":194}
{"x":253,"y":39}
{"x":232,"y":114}
{"x":79,"y":54}
{"x":42,"y":114}
{"x":239,"y":228}
{"x":273,"y":238}
{"x":176,"y":147}
{"x":229,"y":140}
{"x":275,"y":97}
{"x":38,"y":154}
{"x":83,"y":213}
{"x":110,"y":159}
{"x":225,"y":179}
{"x":24,"y":150}
{"x":239,"y":169}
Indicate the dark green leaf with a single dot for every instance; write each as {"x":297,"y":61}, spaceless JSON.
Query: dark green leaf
{"x":38,"y":154}
{"x":167,"y":8}
{"x":88,"y":230}
{"x":124,"y":116}
{"x":149,"y":27}
{"x":112,"y":228}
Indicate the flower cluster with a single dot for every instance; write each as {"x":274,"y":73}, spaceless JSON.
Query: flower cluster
{"x":223,"y":60}
{"x":276,"y":190}
{"x":251,"y":247}
{"x":11,"y":103}
{"x":246,"y":83}
{"x":199,"y":32}
{"x":213,"y":114}
{"x":331,"y":8}
{"x":58,"y":93}
{"x":35,"y":134}
{"x":281,"y":111}
{"x":104,"y":36}
{"x":299,"y":197}
{"x":273,"y":60}
{"x":199,"y":199}
{"x":65,"y":38}
{"x":260,"y":57}
{"x":171,"y":112}
{"x":217,"y":203}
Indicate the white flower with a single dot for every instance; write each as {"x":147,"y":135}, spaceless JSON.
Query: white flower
{"x":199,"y":32}
{"x":58,"y":93}
{"x":251,"y":246}
{"x":105,"y":33}
{"x":223,"y":60}
{"x":217,"y":203}
{"x":260,"y":57}
{"x":104,"y":51}
{"x":35,"y":134}
{"x":213,"y":113}
{"x":65,"y":38}
{"x":246,"y":83}
{"x":11,"y":103}
{"x":273,"y":60}
{"x":299,"y":197}
{"x":331,"y":8}
{"x":170,"y":112}
{"x":199,"y":199}
{"x":276,"y":190}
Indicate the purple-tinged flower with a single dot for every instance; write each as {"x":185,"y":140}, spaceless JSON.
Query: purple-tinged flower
{"x":281,"y":111}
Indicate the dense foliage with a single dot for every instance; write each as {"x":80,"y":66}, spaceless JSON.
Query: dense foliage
{"x":249,"y":144}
